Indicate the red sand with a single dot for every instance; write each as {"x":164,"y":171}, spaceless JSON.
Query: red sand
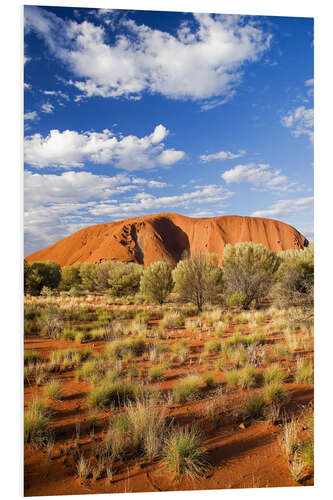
{"x":166,"y":237}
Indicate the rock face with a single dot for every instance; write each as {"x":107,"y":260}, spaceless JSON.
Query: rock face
{"x":167,"y":237}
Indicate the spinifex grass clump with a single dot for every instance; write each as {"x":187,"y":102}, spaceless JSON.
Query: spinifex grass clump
{"x":121,"y":348}
{"x":53,"y":390}
{"x":68,"y":358}
{"x":36,"y":420}
{"x":255,"y":406}
{"x":183,"y":453}
{"x":274,"y":373}
{"x":275,"y":392}
{"x":92,"y":370}
{"x":156,"y":373}
{"x":212,"y":347}
{"x":172,"y":319}
{"x":187,"y":388}
{"x":117,"y":393}
{"x":304,"y":372}
{"x":30,"y":356}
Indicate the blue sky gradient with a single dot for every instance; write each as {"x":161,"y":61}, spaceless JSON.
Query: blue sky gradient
{"x":133,"y":112}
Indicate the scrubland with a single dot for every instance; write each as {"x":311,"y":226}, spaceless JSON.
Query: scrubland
{"x":118,"y":393}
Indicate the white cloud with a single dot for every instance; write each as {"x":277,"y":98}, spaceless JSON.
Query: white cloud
{"x":310,"y":84}
{"x":209,"y":54}
{"x":147,"y":203}
{"x":170,"y":156}
{"x":31,"y":116}
{"x":47,"y":108}
{"x":300,"y":121}
{"x":260,"y":175}
{"x":222,"y":155}
{"x":27,"y":85}
{"x":40,"y":189}
{"x":285,"y":208}
{"x":71,"y":149}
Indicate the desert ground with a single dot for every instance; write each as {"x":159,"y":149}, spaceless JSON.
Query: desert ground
{"x":121,"y":396}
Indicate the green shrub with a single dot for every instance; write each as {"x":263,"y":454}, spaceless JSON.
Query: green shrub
{"x":156,"y":282}
{"x":198,"y":279}
{"x":235,"y":299}
{"x":248,"y":270}
{"x":124,"y":279}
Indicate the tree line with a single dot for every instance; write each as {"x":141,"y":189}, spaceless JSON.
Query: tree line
{"x":249,"y":274}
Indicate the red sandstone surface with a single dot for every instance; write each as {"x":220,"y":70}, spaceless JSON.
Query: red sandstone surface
{"x":166,"y":237}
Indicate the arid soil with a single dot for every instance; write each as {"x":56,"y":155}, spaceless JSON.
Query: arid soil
{"x":243,"y":453}
{"x":166,"y":237}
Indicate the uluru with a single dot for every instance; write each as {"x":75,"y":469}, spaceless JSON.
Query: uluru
{"x":168,"y":236}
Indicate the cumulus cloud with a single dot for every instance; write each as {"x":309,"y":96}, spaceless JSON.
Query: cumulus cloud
{"x":284,"y":208}
{"x":300,"y":121}
{"x":222,"y":155}
{"x":70,"y":148}
{"x":210,"y":52}
{"x":259,"y":175}
{"x":47,"y":108}
{"x":32,"y":115}
{"x":310,"y":84}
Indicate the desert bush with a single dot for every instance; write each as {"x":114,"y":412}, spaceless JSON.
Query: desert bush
{"x":187,"y":388}
{"x":117,"y":393}
{"x":70,"y":277}
{"x":183,"y":453}
{"x":248,"y":270}
{"x":198,"y":279}
{"x":40,"y":274}
{"x":235,"y":299}
{"x":124,"y":279}
{"x":88,"y":275}
{"x":156,"y":282}
{"x":295,"y":278}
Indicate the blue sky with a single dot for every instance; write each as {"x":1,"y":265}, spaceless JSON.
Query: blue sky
{"x":134,"y":112}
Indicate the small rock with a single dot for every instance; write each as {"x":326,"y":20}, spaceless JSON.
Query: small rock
{"x":242,"y":426}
